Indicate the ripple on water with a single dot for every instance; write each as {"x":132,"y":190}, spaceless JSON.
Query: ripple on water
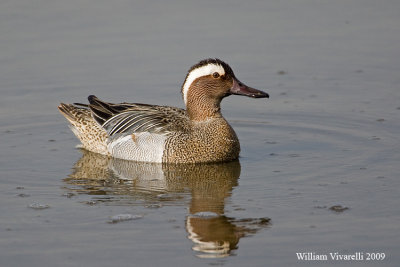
{"x":124,"y":217}
{"x":38,"y":206}
{"x":338,"y":208}
{"x":205,"y":214}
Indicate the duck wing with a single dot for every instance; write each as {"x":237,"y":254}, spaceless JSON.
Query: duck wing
{"x":128,"y":118}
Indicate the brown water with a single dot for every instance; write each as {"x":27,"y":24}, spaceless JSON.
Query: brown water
{"x":319,"y":167}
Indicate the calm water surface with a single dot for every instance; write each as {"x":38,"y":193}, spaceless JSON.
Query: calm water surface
{"x":319,"y":167}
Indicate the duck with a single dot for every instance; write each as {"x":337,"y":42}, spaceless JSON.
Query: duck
{"x":164,"y":134}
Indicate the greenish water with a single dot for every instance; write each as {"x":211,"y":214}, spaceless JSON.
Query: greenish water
{"x":319,"y":167}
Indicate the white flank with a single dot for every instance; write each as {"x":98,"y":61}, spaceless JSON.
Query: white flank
{"x":148,"y":147}
{"x":200,"y":72}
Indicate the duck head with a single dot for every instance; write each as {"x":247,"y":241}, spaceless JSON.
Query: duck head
{"x":207,"y":83}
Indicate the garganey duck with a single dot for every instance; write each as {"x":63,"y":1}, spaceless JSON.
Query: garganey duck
{"x":152,"y":133}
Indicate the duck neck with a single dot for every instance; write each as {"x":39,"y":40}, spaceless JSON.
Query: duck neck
{"x":202,"y":108}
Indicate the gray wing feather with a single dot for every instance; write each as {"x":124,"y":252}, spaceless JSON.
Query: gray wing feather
{"x":127,"y":118}
{"x":134,"y":122}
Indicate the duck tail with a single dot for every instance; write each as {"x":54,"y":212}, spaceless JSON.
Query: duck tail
{"x":92,"y":136}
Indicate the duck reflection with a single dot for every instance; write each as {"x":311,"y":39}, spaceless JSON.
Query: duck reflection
{"x":203,"y":187}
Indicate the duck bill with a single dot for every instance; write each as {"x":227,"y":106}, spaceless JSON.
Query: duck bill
{"x":239,"y":88}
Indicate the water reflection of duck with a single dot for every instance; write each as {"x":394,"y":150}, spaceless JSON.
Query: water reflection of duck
{"x":207,"y":185}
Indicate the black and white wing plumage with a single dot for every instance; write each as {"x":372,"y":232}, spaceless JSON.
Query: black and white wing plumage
{"x":127,"y":118}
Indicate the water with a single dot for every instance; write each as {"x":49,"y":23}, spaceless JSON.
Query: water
{"x":319,"y":167}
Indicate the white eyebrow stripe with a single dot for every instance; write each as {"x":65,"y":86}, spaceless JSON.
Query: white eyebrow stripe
{"x":200,"y":72}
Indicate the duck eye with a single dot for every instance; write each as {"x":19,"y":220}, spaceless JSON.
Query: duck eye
{"x":215,"y":74}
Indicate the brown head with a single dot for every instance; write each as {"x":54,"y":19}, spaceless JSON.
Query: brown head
{"x":207,"y":83}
